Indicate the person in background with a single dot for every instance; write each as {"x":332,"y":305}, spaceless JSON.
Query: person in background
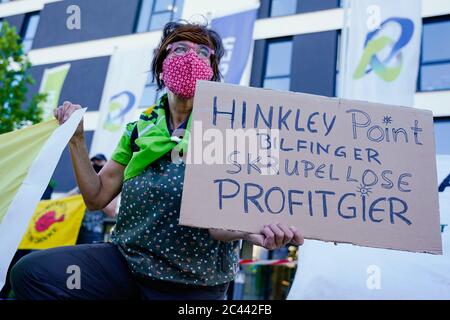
{"x":92,"y":227}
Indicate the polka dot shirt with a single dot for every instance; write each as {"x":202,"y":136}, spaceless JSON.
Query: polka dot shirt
{"x":154,"y":245}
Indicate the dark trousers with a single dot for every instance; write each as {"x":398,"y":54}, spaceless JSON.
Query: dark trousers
{"x":95,"y":271}
{"x":5,"y":293}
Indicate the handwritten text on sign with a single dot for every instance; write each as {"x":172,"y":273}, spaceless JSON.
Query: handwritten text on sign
{"x":339,"y":170}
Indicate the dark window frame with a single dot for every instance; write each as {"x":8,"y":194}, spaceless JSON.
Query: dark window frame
{"x":266,"y":8}
{"x":431,"y":20}
{"x":266,"y":56}
{"x":441,"y":119}
{"x":154,"y":12}
{"x":338,"y":57}
{"x":26,"y":23}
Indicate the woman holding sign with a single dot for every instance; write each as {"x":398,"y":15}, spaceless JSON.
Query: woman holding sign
{"x":152,"y":256}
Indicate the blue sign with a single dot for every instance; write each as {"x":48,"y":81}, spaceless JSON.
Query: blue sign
{"x":237,"y":35}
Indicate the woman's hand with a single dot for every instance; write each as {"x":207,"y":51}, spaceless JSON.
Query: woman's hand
{"x":63,"y":113}
{"x":275,"y":236}
{"x":98,"y":190}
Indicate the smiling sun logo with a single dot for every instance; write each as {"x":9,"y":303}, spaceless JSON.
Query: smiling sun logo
{"x":363,"y":190}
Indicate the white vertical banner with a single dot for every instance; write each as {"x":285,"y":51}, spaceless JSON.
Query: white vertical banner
{"x":380,"y":50}
{"x":30,"y":156}
{"x":52,"y":83}
{"x":236,"y":31}
{"x":234,"y":22}
{"x":124,"y":86}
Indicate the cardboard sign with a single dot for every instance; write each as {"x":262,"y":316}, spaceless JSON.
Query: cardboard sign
{"x":329,"y":272}
{"x":339,"y":170}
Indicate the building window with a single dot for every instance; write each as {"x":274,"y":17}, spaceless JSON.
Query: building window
{"x":282,"y":7}
{"x":150,"y":94}
{"x":154,"y":14}
{"x":435,"y":60}
{"x":277,"y":71}
{"x":442,"y":133}
{"x":29,"y":31}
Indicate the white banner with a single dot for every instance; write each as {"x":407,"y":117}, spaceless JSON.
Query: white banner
{"x":328,"y":271}
{"x":380,"y":49}
{"x":124,"y":85}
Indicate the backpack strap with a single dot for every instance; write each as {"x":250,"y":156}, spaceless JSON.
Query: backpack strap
{"x":134,"y":136}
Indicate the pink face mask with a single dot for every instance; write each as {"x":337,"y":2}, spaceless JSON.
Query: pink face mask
{"x":180,"y":73}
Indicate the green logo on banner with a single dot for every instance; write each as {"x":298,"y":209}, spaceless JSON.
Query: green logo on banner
{"x":119,"y":106}
{"x":384,"y":68}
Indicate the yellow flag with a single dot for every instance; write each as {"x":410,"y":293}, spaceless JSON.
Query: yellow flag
{"x":55,"y":223}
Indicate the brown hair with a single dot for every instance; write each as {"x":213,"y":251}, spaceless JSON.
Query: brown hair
{"x":178,"y":31}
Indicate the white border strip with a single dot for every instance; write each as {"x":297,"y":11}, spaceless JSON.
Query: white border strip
{"x":16,"y":220}
{"x":90,"y":49}
{"x":301,"y":23}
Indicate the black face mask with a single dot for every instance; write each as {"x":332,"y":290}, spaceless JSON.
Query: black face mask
{"x":97,"y":168}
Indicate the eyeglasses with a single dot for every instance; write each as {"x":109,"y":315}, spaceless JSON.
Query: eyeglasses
{"x":182,"y":48}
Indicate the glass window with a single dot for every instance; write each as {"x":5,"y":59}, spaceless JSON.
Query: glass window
{"x":144,"y":15}
{"x":278,"y":58}
{"x":154,"y":14}
{"x":442,"y":133}
{"x":278,"y":65}
{"x":435,"y":62}
{"x":177,"y":9}
{"x":283,"y":7}
{"x":436,"y":44}
{"x":30,"y":31}
{"x":435,"y":77}
{"x":163,"y":5}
